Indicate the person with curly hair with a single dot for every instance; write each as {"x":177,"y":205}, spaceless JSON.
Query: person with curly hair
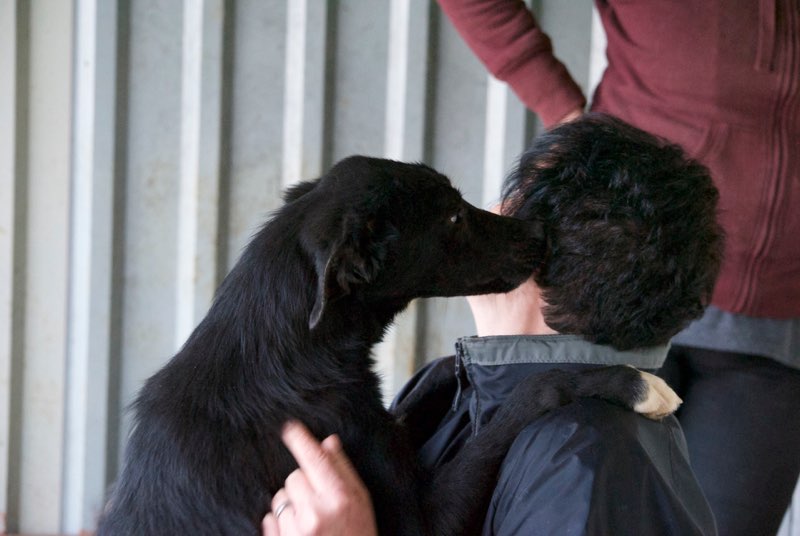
{"x":720,"y":78}
{"x":633,"y":252}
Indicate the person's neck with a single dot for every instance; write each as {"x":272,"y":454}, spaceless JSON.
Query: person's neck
{"x":518,"y":312}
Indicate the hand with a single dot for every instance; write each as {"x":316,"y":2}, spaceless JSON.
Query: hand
{"x":571,"y":116}
{"x":324,"y":497}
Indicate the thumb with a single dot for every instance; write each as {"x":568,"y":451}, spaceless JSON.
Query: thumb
{"x":340,"y":463}
{"x":332,"y":446}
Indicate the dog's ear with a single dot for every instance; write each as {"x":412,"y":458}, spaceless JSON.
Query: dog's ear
{"x":298,"y":190}
{"x":354,"y":259}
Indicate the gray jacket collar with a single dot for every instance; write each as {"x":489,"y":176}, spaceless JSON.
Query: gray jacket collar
{"x":494,"y":365}
{"x":554,"y":349}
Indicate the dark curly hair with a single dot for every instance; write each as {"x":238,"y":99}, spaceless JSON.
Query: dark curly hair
{"x":633,"y":243}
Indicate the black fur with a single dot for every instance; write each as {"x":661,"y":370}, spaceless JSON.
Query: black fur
{"x":289,"y":337}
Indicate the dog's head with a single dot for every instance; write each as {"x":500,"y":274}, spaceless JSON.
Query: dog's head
{"x":385,"y":232}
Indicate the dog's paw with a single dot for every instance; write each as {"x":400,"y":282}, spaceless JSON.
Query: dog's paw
{"x":659,"y":399}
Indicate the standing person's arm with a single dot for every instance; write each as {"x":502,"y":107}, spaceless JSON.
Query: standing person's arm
{"x":505,"y":36}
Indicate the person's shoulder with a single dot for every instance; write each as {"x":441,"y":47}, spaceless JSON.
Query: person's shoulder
{"x":426,"y":399}
{"x":583,"y":468}
{"x":595,"y":430}
{"x":549,"y":475}
{"x":436,"y":378}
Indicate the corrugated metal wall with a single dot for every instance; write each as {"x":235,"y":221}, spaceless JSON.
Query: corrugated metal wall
{"x":141,"y":143}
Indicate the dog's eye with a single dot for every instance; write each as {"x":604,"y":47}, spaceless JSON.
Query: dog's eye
{"x":455,"y":218}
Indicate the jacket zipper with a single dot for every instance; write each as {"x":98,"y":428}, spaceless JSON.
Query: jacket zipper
{"x":459,"y":357}
{"x":776,"y":173}
{"x":765,"y":49}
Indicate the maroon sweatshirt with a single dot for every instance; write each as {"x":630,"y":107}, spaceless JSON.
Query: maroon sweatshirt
{"x":719,"y":77}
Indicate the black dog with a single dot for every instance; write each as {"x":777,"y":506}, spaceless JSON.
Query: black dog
{"x":289,"y":336}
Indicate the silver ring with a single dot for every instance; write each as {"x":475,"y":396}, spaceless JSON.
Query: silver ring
{"x":281,"y":507}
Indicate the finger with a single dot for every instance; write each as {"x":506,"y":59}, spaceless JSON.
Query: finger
{"x":269,"y":525}
{"x":332,"y":443}
{"x":286,"y":521}
{"x":311,"y":457}
{"x":339,"y":460}
{"x":283,"y":513}
{"x":298,"y":489}
{"x":278,"y":499}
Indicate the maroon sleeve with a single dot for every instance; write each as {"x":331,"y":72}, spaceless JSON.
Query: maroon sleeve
{"x":506,"y":38}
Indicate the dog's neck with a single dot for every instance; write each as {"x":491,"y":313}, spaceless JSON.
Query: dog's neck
{"x":255,"y":320}
{"x":360,"y":318}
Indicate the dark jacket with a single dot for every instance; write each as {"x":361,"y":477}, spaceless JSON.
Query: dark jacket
{"x":719,"y":77}
{"x":588,"y":468}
